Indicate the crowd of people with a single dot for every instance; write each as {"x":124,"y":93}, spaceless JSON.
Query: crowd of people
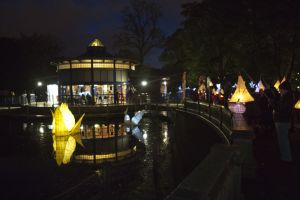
{"x":271,"y":112}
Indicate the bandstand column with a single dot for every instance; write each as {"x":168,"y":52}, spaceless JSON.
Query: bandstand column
{"x":115,"y":84}
{"x":92,"y":81}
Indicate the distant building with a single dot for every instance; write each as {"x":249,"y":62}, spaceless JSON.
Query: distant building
{"x":95,"y":77}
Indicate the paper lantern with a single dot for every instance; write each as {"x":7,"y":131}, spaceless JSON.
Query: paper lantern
{"x":259,"y":86}
{"x":65,"y":133}
{"x":237,"y":107}
{"x":276,"y":85}
{"x":297,"y":105}
{"x":241,"y":94}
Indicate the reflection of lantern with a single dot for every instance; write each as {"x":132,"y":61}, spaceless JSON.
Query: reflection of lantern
{"x":65,"y":133}
{"x":241,"y":94}
{"x":297,"y":105}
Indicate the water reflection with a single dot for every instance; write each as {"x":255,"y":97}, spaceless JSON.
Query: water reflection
{"x":66,"y":133}
{"x":105,"y":142}
{"x":142,"y":162}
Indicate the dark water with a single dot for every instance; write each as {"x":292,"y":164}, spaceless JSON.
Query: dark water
{"x":163,"y":158}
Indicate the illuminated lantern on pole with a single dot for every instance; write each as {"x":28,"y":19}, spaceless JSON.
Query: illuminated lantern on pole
{"x":240,"y":96}
{"x":297,"y":105}
{"x":65,"y":133}
{"x":237,"y":107}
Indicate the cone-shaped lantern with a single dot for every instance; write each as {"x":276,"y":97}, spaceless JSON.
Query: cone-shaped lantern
{"x":65,"y":133}
{"x":241,"y":94}
{"x":276,"y":85}
{"x":284,"y":79}
{"x":297,"y":105}
{"x":260,"y":86}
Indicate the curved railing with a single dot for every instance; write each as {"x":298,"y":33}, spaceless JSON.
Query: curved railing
{"x":217,"y":114}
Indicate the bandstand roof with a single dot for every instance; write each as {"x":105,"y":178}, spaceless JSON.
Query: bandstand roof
{"x":95,"y":49}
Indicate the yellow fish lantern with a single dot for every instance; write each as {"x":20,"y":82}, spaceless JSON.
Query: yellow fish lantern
{"x":241,"y":94}
{"x":297,"y":105}
{"x":65,"y":133}
{"x":276,"y":85}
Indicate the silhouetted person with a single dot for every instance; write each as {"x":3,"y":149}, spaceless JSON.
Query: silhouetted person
{"x":266,"y":110}
{"x":28,"y":97}
{"x":282,"y":117}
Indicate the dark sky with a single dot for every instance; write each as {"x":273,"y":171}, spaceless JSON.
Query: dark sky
{"x":77,"y":22}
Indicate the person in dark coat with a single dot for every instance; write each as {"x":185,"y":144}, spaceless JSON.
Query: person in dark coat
{"x":282,"y":118}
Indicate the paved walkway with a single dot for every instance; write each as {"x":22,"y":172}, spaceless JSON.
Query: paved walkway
{"x":274,"y":179}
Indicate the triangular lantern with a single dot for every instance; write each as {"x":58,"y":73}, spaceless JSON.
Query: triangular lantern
{"x":297,"y":105}
{"x":276,"y":85}
{"x":260,"y":86}
{"x":241,"y":93}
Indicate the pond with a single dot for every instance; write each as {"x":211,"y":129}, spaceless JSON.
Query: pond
{"x":146,"y":162}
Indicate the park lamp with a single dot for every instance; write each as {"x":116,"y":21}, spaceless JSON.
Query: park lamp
{"x":65,"y":133}
{"x":39,"y":83}
{"x":297,"y":105}
{"x":239,"y":97}
{"x":144,"y":83}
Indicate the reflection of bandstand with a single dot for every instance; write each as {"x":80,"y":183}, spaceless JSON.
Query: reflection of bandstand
{"x":101,"y":131}
{"x":96,"y":77}
{"x":101,"y":144}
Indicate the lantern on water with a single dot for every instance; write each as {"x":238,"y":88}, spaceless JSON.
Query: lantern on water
{"x":240,"y":96}
{"x":297,"y":105}
{"x":65,"y":133}
{"x":260,"y":86}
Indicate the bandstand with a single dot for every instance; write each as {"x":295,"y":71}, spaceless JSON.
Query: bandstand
{"x":95,"y":77}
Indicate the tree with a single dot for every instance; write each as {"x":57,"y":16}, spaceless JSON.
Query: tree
{"x":223,"y":37}
{"x":26,"y":59}
{"x":140,"y":31}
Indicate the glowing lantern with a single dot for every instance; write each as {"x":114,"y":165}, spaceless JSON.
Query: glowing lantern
{"x":241,"y":94}
{"x":260,"y":86}
{"x":65,"y":133}
{"x":297,"y":105}
{"x":276,"y":85}
{"x":284,"y":79}
{"x":211,"y":84}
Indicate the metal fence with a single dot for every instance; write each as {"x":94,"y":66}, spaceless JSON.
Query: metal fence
{"x":218,"y":114}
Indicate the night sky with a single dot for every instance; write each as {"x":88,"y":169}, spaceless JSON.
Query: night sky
{"x":77,"y":22}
